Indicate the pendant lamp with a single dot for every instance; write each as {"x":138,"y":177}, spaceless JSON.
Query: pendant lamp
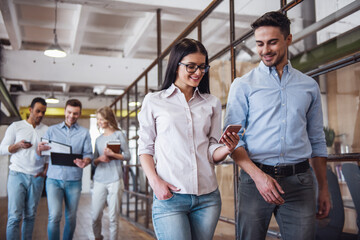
{"x":55,"y":50}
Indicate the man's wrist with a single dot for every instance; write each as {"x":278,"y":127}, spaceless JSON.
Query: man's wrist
{"x":322,"y":187}
{"x":87,"y":161}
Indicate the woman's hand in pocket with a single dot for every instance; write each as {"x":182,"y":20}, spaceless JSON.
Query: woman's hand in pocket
{"x":162,"y":189}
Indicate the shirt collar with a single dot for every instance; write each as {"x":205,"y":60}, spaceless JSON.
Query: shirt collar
{"x":287,"y":68}
{"x":29,"y":124}
{"x":63,"y":125}
{"x":168,"y":92}
{"x":197,"y":92}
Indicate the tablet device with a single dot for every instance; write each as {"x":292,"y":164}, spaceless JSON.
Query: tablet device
{"x":64,"y":159}
{"x":231,"y":128}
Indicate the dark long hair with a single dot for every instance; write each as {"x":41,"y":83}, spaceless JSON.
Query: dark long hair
{"x":183,"y":48}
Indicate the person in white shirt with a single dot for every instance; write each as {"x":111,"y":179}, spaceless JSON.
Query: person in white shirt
{"x":180,"y":127}
{"x":26,"y":176}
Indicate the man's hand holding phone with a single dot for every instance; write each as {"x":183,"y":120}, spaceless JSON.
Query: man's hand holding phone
{"x":25,"y":144}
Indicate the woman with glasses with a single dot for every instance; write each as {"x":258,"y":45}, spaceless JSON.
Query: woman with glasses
{"x":111,"y":149}
{"x":178,"y":146}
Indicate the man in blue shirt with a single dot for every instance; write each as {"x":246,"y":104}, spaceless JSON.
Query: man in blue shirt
{"x":64,"y":182}
{"x":280,"y":108}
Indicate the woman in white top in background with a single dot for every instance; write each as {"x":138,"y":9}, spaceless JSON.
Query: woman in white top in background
{"x":179,"y":127}
{"x":108,"y":181}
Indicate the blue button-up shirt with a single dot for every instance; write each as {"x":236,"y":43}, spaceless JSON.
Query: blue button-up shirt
{"x":283,"y":118}
{"x":79,"y":139}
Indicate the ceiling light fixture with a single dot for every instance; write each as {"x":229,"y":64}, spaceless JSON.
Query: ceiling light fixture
{"x":52,"y":100}
{"x":115,"y":92}
{"x":55,"y":50}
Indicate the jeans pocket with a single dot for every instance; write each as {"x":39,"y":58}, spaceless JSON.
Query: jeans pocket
{"x":305,"y":178}
{"x":13,"y":173}
{"x":164,"y":200}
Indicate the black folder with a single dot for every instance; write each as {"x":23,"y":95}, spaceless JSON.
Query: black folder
{"x":65,"y":159}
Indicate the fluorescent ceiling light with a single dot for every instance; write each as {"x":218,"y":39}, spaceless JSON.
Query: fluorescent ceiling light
{"x":113,"y":91}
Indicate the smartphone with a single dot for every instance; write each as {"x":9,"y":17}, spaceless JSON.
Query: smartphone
{"x":27,"y":142}
{"x":231,"y":128}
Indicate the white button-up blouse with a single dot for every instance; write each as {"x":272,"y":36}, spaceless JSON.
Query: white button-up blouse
{"x":182,"y":136}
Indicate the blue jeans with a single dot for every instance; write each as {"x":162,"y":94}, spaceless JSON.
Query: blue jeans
{"x":186,"y":216}
{"x":57,"y":190}
{"x":24,"y":192}
{"x":296,"y":217}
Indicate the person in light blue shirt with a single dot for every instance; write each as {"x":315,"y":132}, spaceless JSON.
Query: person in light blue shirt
{"x":64,"y":182}
{"x":280,"y":108}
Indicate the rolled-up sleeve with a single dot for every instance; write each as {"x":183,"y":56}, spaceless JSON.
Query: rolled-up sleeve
{"x":237,"y":108}
{"x":46,"y":159}
{"x":315,"y":126}
{"x":87,"y":149}
{"x":124,"y":147}
{"x":9,"y":139}
{"x":147,"y":131}
{"x":215,"y":129}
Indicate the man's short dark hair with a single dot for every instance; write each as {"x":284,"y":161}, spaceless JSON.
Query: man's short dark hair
{"x":73,"y":103}
{"x":38,"y":100}
{"x":274,"y":19}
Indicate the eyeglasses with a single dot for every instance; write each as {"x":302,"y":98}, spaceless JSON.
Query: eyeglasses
{"x":191,"y":67}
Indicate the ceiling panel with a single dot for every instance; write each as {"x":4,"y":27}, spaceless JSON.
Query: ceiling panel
{"x":104,"y":31}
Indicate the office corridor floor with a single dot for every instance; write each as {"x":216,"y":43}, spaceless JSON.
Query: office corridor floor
{"x":83,"y":224}
{"x":83,"y":230}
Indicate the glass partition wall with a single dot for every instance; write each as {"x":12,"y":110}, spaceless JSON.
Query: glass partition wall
{"x":326,"y":46}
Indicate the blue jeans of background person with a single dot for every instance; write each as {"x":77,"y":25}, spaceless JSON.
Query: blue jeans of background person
{"x":57,"y":191}
{"x":186,"y":216}
{"x":24,"y":192}
{"x":296,"y":217}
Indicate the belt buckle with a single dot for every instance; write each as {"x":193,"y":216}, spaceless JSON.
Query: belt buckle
{"x":276,"y":170}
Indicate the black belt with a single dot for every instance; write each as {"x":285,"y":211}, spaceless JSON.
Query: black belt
{"x":284,"y":170}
